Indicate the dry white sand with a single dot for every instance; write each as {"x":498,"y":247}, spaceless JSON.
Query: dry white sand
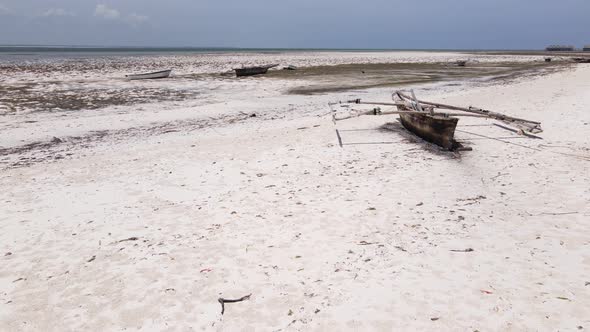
{"x":146,"y":232}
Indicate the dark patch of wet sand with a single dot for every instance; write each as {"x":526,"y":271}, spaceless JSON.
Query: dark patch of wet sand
{"x":325,"y":79}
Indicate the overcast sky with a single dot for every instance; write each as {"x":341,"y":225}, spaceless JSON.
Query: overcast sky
{"x":487,"y":24}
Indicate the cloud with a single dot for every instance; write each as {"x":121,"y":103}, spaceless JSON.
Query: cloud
{"x":132,"y":19}
{"x":106,"y":12}
{"x":57,"y":12}
{"x":4,"y":11}
{"x":136,"y":19}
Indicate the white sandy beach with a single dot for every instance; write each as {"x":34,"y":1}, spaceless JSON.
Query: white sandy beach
{"x":141,"y":217}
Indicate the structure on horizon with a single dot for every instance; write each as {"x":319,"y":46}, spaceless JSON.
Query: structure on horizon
{"x":586,"y":48}
{"x":560,"y":48}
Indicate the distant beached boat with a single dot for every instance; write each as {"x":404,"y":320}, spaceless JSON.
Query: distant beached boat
{"x":581,"y":60}
{"x":461,"y":63}
{"x":256,"y":70}
{"x":150,"y":76}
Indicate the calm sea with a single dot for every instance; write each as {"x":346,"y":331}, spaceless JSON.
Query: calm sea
{"x":33,"y":52}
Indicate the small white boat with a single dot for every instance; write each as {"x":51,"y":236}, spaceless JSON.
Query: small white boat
{"x":150,"y":76}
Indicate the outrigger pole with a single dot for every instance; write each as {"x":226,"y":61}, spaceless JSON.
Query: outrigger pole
{"x":411,"y":105}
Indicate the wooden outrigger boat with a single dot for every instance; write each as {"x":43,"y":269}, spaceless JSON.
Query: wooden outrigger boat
{"x":419,"y":117}
{"x":150,"y":76}
{"x":581,"y":60}
{"x":437,"y":128}
{"x":251,"y":71}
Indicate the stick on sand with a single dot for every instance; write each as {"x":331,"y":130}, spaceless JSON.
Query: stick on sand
{"x":224,"y":301}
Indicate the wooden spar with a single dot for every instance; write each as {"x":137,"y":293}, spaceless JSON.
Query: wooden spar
{"x":484,"y":113}
{"x":407,"y":101}
{"x":443,"y":106}
{"x":415,"y":103}
{"x":403,"y":104}
{"x":522,"y":124}
{"x":358,"y":101}
{"x":519,"y":132}
{"x":491,"y":114}
{"x":373,"y":112}
{"x":419,"y":118}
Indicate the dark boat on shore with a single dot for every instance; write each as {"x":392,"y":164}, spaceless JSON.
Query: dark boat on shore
{"x":437,"y":129}
{"x":420,"y":118}
{"x":581,"y":60}
{"x":251,"y":71}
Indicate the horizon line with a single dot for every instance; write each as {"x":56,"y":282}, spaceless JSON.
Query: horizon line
{"x":250,"y":48}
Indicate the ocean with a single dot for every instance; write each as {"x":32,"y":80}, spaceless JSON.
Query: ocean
{"x":28,"y":52}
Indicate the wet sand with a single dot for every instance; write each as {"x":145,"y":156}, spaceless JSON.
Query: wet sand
{"x":325,"y":79}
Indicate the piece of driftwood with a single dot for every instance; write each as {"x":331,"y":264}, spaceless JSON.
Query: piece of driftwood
{"x":224,"y":301}
{"x":133,"y":238}
{"x":462,"y":250}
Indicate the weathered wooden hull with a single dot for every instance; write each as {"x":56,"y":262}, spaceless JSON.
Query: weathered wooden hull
{"x":436,"y":129}
{"x":582,"y":60}
{"x":251,"y":71}
{"x":150,"y":76}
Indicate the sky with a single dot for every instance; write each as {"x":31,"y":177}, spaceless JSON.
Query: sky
{"x":380,"y":24}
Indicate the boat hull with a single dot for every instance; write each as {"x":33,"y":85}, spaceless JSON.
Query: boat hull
{"x":436,"y":129}
{"x":251,"y":71}
{"x":150,"y":76}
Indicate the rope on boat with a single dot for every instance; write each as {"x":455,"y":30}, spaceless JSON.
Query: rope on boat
{"x":585,"y":158}
{"x":497,"y":139}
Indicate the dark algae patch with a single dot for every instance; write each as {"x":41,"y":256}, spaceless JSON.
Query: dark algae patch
{"x":54,"y":96}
